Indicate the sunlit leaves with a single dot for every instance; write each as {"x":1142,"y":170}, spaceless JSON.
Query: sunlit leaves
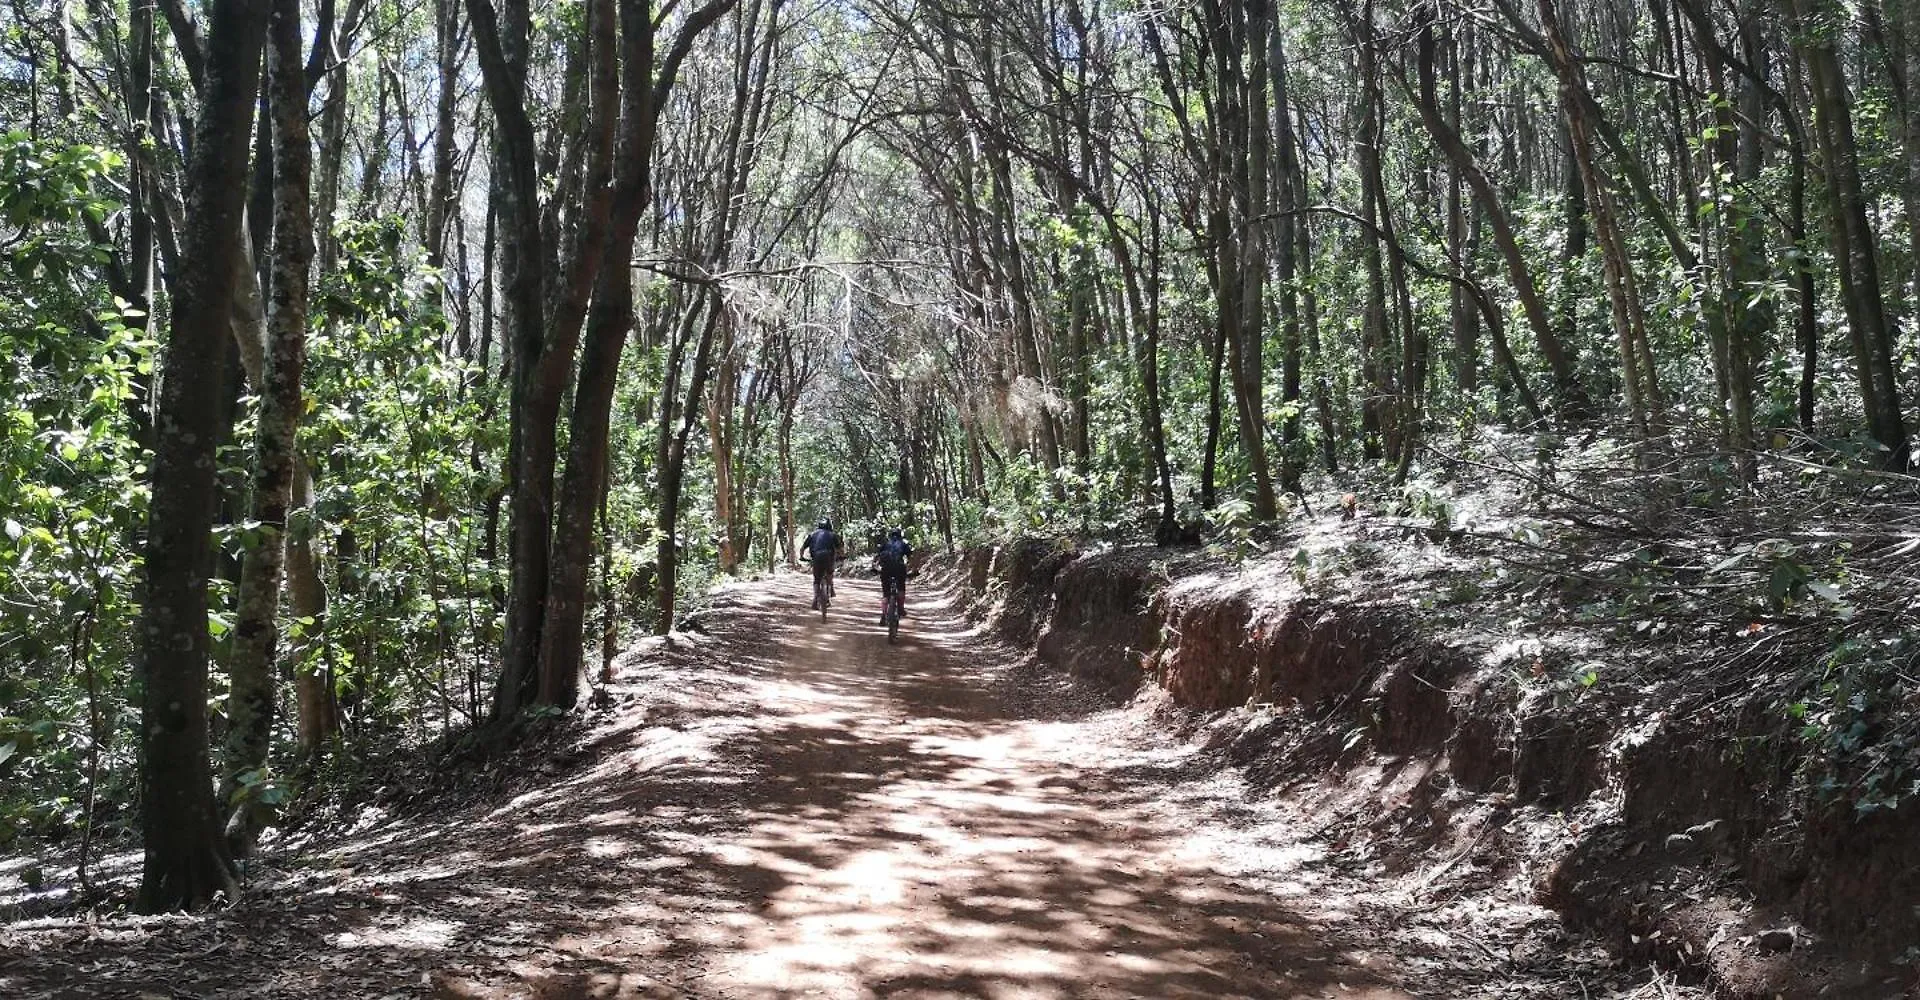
{"x":71,"y":470}
{"x":408,"y":452}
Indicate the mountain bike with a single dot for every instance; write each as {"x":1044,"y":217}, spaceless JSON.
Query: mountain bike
{"x":890,"y":609}
{"x":822,"y":594}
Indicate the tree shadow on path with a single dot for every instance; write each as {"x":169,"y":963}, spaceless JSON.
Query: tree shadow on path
{"x":785,"y":808}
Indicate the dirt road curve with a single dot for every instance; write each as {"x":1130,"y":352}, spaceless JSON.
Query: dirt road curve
{"x":782,"y":808}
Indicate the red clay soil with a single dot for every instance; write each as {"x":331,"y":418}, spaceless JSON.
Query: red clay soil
{"x":790,"y":808}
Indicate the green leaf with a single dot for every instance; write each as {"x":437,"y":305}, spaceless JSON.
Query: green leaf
{"x":1729,"y":562}
{"x":1786,"y":580}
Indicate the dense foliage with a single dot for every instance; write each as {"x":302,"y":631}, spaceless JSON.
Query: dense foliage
{"x":72,"y":495}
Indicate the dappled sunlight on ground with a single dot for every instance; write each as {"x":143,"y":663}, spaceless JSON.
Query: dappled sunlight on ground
{"x":791,"y":808}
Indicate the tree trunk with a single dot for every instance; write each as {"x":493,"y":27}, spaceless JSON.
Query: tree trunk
{"x":1210,"y":463}
{"x":256,"y":631}
{"x":319,"y":709}
{"x":1377,"y":385}
{"x":720,"y":438}
{"x":583,"y":486}
{"x":501,"y":42}
{"x":186,"y":863}
{"x":1254,"y":168}
{"x":1573,"y":249}
{"x":331,"y":161}
{"x":1145,"y":304}
{"x":1857,"y":263}
{"x":1909,"y":28}
{"x":608,"y":323}
{"x":672,"y":460}
{"x":1629,"y":322}
{"x":1740,"y":151}
{"x":1569,"y":394}
{"x":1461,"y":243}
{"x":786,"y":525}
{"x":1310,"y":331}
{"x":441,"y":203}
{"x":1289,"y":188}
{"x":313,"y":684}
{"x":1807,"y":297}
{"x":143,"y":201}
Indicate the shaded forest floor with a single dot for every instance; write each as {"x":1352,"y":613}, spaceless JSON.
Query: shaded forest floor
{"x":785,"y":808}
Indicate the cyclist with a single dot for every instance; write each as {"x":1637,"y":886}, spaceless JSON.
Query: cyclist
{"x":823,"y":548}
{"x":893,"y":563}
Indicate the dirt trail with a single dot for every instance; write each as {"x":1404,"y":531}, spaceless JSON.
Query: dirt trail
{"x":785,"y":808}
{"x":917,"y":836}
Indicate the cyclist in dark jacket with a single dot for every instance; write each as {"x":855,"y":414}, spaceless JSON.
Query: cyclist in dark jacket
{"x":893,"y":562}
{"x":823,"y":548}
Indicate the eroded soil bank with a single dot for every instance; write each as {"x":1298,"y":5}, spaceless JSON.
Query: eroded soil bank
{"x":783,"y":807}
{"x":1666,"y":812}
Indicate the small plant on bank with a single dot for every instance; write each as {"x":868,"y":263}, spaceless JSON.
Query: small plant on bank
{"x":1859,"y":721}
{"x":1232,"y":528}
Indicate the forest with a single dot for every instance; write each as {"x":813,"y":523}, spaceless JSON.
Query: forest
{"x":374,"y":372}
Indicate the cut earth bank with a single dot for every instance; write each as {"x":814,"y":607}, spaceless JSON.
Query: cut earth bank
{"x":1666,"y":809}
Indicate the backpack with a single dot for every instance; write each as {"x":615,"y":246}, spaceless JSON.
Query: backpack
{"x":893,"y":556}
{"x":823,"y":544}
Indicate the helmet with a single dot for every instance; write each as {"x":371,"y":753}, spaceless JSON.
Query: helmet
{"x":894,"y":534}
{"x":826,"y":524}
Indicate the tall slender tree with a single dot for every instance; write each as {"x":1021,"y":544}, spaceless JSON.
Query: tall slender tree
{"x":186,"y":862}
